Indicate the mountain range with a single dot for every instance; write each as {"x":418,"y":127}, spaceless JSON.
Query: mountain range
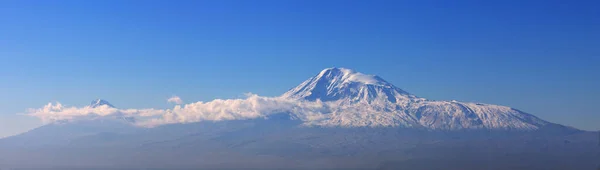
{"x":363,"y":122}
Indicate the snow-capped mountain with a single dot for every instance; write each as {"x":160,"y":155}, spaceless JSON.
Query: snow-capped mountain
{"x":357,"y":99}
{"x":100,"y":102}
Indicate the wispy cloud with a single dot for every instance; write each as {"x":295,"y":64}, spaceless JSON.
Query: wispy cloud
{"x":175,"y":99}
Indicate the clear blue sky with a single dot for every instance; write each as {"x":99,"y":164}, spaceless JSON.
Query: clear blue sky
{"x":542,"y":57}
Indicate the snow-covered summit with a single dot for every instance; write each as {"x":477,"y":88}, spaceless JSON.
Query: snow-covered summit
{"x":341,"y":83}
{"x":100,"y":102}
{"x":348,"y":76}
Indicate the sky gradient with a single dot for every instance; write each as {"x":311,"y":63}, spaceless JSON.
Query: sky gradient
{"x":541,"y":57}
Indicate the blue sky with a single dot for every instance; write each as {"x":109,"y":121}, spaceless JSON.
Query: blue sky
{"x":542,"y":57}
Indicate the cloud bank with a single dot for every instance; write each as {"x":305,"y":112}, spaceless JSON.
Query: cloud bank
{"x":252,"y":107}
{"x":56,"y":112}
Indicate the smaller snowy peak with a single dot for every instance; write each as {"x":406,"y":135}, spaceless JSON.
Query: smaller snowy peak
{"x":100,"y":102}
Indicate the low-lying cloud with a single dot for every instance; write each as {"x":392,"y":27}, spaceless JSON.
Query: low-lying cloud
{"x":252,"y":107}
{"x":56,"y":111}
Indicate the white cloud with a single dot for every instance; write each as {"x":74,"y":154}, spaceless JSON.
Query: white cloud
{"x":57,"y":111}
{"x":253,"y":106}
{"x":175,"y":99}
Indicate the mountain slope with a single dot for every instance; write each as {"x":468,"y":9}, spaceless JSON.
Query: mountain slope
{"x":259,"y":144}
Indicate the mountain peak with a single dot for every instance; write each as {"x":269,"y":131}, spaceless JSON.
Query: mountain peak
{"x":342,"y":83}
{"x":100,"y":102}
{"x":348,"y":75}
